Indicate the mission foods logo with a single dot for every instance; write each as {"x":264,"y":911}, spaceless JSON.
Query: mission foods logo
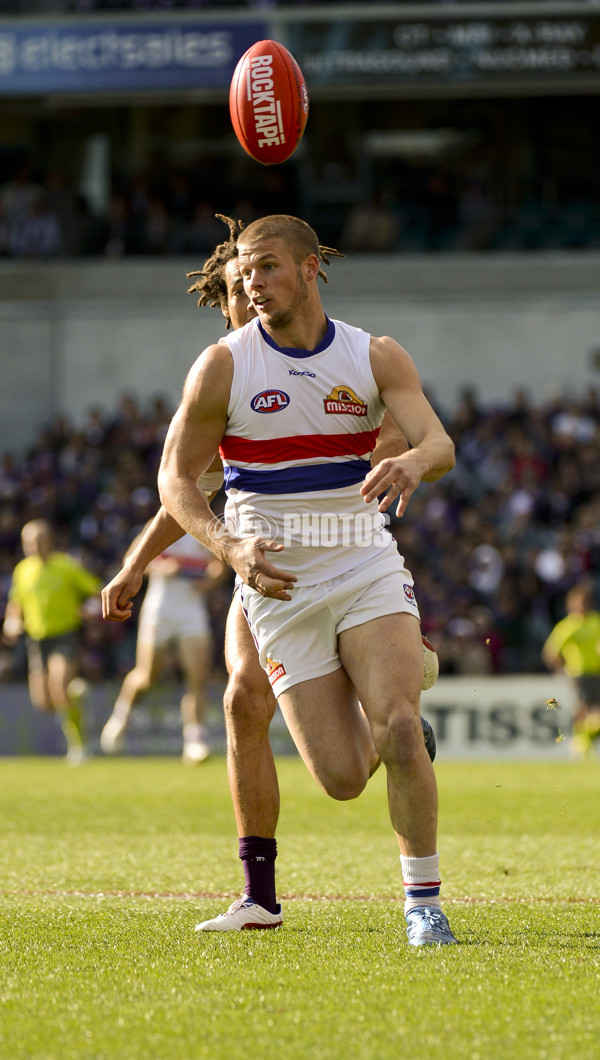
{"x":275,"y":670}
{"x":266,"y":109}
{"x":270,"y":401}
{"x":343,"y":399}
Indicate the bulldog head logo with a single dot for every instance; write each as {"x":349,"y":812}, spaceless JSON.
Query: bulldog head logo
{"x":342,"y":399}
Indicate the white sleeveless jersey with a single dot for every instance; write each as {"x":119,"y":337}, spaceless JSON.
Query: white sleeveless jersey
{"x":179,"y":592}
{"x":192,"y":556}
{"x":301,"y":428}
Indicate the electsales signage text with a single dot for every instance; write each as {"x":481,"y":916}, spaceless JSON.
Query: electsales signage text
{"x":115,"y":56}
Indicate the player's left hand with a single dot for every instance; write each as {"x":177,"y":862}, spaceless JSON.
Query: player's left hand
{"x":247,"y":557}
{"x":398,"y":477}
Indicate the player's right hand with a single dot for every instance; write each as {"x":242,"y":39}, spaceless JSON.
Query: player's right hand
{"x":117,"y":604}
{"x":397,"y":477}
{"x":12,"y":630}
{"x":247,"y":557}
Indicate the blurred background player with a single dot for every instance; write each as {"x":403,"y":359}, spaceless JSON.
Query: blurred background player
{"x":174,"y":614}
{"x":573,"y":648}
{"x":46,"y":594}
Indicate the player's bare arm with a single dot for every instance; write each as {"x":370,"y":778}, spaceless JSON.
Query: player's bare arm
{"x":390,"y":441}
{"x":432,"y":452}
{"x":194,"y":435}
{"x":552,"y":660}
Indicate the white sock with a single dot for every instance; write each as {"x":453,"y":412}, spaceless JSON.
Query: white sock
{"x":194,"y":733}
{"x":421,"y":878}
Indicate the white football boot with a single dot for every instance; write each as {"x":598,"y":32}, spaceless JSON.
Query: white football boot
{"x":243,"y":915}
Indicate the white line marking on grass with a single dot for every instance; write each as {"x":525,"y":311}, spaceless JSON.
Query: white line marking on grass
{"x":194,"y":896}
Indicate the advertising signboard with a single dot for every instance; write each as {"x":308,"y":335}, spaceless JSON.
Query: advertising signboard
{"x":105,"y":56}
{"x":467,"y":49}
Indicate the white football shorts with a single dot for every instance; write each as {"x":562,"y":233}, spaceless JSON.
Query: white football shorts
{"x":297,"y":639}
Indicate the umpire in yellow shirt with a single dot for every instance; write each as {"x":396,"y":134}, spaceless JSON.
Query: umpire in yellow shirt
{"x":573,"y":647}
{"x":45,"y":598}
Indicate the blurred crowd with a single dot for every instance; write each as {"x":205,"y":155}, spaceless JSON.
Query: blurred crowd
{"x":43,"y":216}
{"x":27,"y":7}
{"x":172,"y":212}
{"x":494,"y":546}
{"x":56,"y":7}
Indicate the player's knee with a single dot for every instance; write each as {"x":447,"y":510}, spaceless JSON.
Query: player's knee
{"x":399,"y":737}
{"x":344,"y":788}
{"x":248,"y":710}
{"x":345,"y":784}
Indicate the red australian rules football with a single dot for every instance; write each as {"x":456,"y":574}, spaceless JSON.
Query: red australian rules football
{"x":268,"y":102}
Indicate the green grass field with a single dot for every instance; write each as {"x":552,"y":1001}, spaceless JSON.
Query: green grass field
{"x":106,"y":869}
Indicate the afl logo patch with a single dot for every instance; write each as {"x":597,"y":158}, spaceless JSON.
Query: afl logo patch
{"x":270,"y":401}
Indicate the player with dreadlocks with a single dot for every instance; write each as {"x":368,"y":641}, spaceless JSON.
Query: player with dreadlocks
{"x":249,"y":703}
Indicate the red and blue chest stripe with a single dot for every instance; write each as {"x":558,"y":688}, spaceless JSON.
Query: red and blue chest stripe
{"x":332,"y":473}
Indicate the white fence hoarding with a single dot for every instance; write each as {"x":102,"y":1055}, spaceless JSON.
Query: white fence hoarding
{"x":476,"y":718}
{"x":516,"y":717}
